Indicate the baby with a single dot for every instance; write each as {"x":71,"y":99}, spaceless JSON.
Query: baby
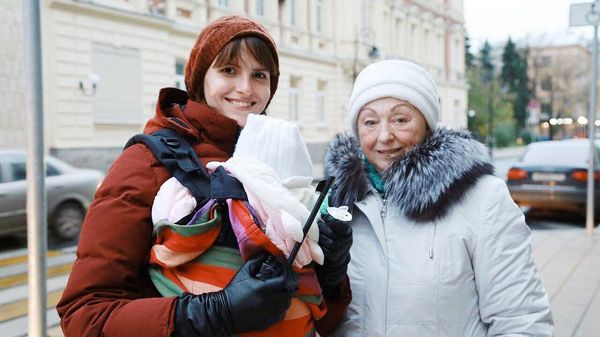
{"x":272,"y":162}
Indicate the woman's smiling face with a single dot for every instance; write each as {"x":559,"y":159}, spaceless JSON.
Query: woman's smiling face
{"x":238,"y":89}
{"x":387,"y":128}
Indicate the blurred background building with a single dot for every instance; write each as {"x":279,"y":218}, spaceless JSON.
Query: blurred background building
{"x":105,"y":61}
{"x":12,"y":76}
{"x":560,"y":85}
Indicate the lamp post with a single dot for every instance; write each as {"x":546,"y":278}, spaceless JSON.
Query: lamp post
{"x":365,"y":36}
{"x":36,"y":183}
{"x":586,"y":14}
{"x":490,"y":131}
{"x":471,"y":123}
{"x":487,"y":77}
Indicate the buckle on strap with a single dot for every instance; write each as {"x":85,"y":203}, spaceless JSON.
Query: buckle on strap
{"x":170,"y":142}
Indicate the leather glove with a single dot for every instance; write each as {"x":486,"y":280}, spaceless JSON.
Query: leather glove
{"x":246,"y":304}
{"x":335,"y":238}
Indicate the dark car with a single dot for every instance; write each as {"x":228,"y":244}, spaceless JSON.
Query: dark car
{"x":553,"y":175}
{"x":69,"y":192}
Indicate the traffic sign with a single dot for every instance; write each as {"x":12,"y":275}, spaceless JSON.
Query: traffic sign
{"x":584,"y":14}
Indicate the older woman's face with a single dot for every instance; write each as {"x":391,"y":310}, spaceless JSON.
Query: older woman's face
{"x":387,"y":128}
{"x":236,"y":90}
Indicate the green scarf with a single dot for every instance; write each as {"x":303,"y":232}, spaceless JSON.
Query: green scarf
{"x":374,"y":176}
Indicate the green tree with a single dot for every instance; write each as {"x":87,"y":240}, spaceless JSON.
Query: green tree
{"x":484,"y":94}
{"x":510,"y":64}
{"x":485,"y":62}
{"x":479,"y":103}
{"x":513,"y":78}
{"x":469,"y":57}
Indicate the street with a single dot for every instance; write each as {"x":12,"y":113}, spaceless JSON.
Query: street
{"x":13,"y":285}
{"x":568,"y":261}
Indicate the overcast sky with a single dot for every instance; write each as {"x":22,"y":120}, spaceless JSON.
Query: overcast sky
{"x":496,"y":20}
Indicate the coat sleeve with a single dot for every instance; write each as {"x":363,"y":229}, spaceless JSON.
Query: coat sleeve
{"x":337,"y":301}
{"x":512,"y":300}
{"x":109,"y":292}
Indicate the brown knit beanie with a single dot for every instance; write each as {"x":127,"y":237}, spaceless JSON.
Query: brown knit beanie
{"x":210,"y":42}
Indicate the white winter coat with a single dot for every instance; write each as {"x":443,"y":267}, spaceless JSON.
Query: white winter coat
{"x":446,"y":253}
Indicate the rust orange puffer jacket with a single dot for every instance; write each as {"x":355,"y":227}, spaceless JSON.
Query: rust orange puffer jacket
{"x":109,"y":292}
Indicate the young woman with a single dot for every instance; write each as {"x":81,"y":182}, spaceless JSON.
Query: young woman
{"x":439,"y":247}
{"x":232,"y":72}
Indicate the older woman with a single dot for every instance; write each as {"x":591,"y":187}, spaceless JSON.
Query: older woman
{"x":440,"y":249}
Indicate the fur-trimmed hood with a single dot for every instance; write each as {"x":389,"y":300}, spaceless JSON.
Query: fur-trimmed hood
{"x":423,"y":185}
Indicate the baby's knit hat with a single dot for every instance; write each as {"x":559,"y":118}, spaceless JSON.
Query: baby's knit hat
{"x":279,"y":144}
{"x":210,"y":42}
{"x":399,"y":79}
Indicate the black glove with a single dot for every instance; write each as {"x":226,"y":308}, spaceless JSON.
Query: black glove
{"x":245,"y":304}
{"x":335,"y":238}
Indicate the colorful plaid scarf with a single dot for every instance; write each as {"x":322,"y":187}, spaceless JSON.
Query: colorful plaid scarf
{"x":184,"y":258}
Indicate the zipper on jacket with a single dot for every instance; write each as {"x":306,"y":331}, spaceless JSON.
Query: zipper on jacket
{"x":383,"y":213}
{"x":432,"y":240}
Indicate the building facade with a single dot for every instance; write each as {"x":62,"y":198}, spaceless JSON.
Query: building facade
{"x":12,"y":74}
{"x":105,"y":61}
{"x":560,"y":79}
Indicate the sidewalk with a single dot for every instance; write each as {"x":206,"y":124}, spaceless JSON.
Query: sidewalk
{"x":569,"y":264}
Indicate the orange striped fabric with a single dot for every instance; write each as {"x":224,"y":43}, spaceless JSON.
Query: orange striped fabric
{"x":184,"y":259}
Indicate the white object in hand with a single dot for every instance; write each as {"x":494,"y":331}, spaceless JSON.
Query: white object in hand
{"x":340,"y":213}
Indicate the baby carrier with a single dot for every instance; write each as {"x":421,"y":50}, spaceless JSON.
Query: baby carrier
{"x":173,"y":151}
{"x":184,"y":256}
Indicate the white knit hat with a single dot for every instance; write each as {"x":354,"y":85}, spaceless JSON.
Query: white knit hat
{"x":279,"y":144}
{"x":399,"y":79}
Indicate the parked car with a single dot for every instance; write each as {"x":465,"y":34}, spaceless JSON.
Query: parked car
{"x":69,"y":192}
{"x":553,"y":175}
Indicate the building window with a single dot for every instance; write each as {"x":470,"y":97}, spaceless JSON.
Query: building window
{"x":546,"y":61}
{"x":411,"y":37}
{"x":179,"y":77}
{"x":294,"y":97}
{"x":293,"y":104}
{"x":292,"y":11}
{"x":320,"y":101}
{"x":319,"y":16}
{"x":457,"y":110}
{"x":365,"y":13}
{"x":547,"y":83}
{"x":157,"y":7}
{"x":118,"y":95}
{"x":260,"y":7}
{"x":184,"y":13}
{"x":224,"y":3}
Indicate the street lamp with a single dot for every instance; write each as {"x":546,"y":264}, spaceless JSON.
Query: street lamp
{"x":366,"y":36}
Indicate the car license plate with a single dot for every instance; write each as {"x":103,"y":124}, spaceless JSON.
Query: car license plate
{"x":539,"y":176}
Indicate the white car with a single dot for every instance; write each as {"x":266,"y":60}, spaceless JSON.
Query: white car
{"x":69,"y":192}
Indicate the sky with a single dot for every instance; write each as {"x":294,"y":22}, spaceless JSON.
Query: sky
{"x":496,"y":20}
